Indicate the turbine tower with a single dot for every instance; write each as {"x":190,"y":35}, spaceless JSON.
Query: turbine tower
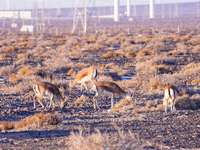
{"x":128,"y":7}
{"x":116,"y":10}
{"x":82,"y":13}
{"x":151,"y":9}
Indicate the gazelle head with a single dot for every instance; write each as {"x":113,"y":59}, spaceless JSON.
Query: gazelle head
{"x":129,"y":95}
{"x":63,"y":103}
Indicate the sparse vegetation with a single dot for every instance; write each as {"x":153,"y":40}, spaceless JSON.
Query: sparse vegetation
{"x":144,"y":60}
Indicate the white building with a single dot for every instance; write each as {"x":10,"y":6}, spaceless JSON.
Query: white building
{"x":8,"y":14}
{"x":15,"y":14}
{"x":25,"y":14}
{"x":27,"y":28}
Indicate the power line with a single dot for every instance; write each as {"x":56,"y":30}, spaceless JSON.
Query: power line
{"x":81,"y":13}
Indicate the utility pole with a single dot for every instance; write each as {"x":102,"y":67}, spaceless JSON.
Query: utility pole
{"x":170,"y":14}
{"x":81,"y":13}
{"x":134,"y":8}
{"x":7,"y":4}
{"x":197,"y":9}
{"x":176,"y":10}
{"x":163,"y":11}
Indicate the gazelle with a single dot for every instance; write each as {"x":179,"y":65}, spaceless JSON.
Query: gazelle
{"x":109,"y":89}
{"x":46,"y":88}
{"x":85,"y":75}
{"x":170,"y":96}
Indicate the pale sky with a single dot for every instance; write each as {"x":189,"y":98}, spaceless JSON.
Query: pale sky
{"x":28,"y":4}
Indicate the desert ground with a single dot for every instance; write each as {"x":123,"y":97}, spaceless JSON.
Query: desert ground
{"x":144,"y":56}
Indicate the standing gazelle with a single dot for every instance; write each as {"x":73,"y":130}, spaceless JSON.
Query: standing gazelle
{"x":110,"y":89}
{"x":85,"y":75}
{"x":46,"y":88}
{"x":170,"y":96}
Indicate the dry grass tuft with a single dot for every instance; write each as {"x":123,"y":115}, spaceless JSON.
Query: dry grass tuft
{"x":25,"y":71}
{"x":81,"y":99}
{"x":76,"y":53}
{"x":173,"y":51}
{"x":130,"y":55}
{"x":21,"y":55}
{"x":188,"y":102}
{"x":13,"y":78}
{"x":136,"y":111}
{"x":114,"y":110}
{"x":4,"y":55}
{"x":39,"y":119}
{"x":47,"y":119}
{"x":155,"y":85}
{"x":160,"y":107}
{"x":77,"y":47}
{"x":122,"y":72}
{"x":71,"y":71}
{"x":150,"y":105}
{"x":143,"y":53}
{"x":109,"y":65}
{"x":7,"y":125}
{"x":6,"y":70}
{"x":31,"y":46}
{"x":123,"y":102}
{"x":11,"y":48}
{"x":110,"y":55}
{"x":195,"y":82}
{"x":85,"y":140}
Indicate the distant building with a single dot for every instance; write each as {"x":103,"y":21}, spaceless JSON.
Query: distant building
{"x":8,"y":14}
{"x":25,"y":14}
{"x":27,"y":28}
{"x":14,"y":25}
{"x":15,"y":14}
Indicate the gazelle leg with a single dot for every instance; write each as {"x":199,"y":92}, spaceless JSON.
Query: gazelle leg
{"x":52,"y":101}
{"x":171,"y":104}
{"x":174,"y":108}
{"x":91,"y":80}
{"x":34,"y":101}
{"x":92,"y":83}
{"x":95,"y":100}
{"x":112,"y":100}
{"x":85,"y":85}
{"x":39,"y":100}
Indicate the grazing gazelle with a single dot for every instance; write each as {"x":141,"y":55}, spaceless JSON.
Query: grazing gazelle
{"x":109,"y":89}
{"x":46,"y":88}
{"x":85,"y":75}
{"x":171,"y":95}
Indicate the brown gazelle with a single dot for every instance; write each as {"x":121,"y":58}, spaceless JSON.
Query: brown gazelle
{"x":85,"y":75}
{"x":46,"y":88}
{"x":170,"y":96}
{"x":109,"y":89}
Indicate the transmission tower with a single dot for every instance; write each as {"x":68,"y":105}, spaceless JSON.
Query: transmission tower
{"x":39,"y":15}
{"x":82,"y":13}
